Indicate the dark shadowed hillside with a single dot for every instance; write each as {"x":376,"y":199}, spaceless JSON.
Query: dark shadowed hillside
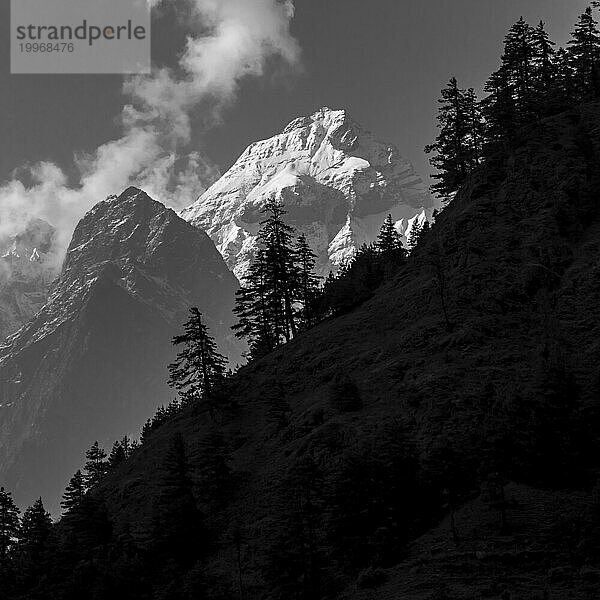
{"x":306,"y":495}
{"x":395,"y":451}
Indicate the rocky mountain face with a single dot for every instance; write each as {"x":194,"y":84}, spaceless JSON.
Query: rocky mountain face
{"x":27,"y":268}
{"x":92,"y":363}
{"x":337,"y":181}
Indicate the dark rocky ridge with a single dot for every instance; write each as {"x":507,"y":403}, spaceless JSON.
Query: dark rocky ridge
{"x":521,"y":257}
{"x":92,"y":364}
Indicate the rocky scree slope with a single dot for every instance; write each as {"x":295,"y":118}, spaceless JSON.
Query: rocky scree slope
{"x":519,"y":249}
{"x":337,"y":181}
{"x":92,"y":363}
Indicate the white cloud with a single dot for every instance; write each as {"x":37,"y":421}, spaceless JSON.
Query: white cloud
{"x":230,"y":41}
{"x":241,"y":36}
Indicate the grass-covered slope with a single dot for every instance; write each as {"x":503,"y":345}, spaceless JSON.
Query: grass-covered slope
{"x":335,"y":500}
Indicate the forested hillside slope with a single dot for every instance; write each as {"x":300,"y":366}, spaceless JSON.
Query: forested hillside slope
{"x":345,"y":456}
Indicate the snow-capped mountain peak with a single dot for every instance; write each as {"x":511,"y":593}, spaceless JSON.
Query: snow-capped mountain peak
{"x":337,"y":181}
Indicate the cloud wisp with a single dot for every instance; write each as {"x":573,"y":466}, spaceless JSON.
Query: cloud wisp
{"x":228,"y":41}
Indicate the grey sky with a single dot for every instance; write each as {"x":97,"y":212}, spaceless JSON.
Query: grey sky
{"x":383,"y":60}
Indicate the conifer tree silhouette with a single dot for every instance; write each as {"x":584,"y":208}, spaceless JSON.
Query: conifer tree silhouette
{"x":281,"y":273}
{"x":9,"y":525}
{"x":308,"y":282}
{"x":584,"y":57}
{"x":75,"y":492}
{"x":96,"y":465}
{"x":389,"y":240}
{"x":199,"y":369}
{"x":36,"y":528}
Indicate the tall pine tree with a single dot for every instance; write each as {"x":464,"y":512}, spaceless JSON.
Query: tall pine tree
{"x":458,"y":148}
{"x":276,"y":237}
{"x":544,"y":67}
{"x":584,"y":57}
{"x":74,"y":493}
{"x":271,"y":306}
{"x":475,"y":129}
{"x":518,"y":64}
{"x":34,"y":541}
{"x":499,"y":111}
{"x":561,"y":93}
{"x":117,"y":455}
{"x":389,"y":241}
{"x":451,"y":148}
{"x":511,"y":99}
{"x":199,"y":369}
{"x":391,"y":251}
{"x":96,"y":465}
{"x":415,"y":235}
{"x":308,"y":282}
{"x":9,"y":525}
{"x":253,"y":309}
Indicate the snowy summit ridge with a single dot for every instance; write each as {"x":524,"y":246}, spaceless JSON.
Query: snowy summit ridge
{"x":337,"y":181}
